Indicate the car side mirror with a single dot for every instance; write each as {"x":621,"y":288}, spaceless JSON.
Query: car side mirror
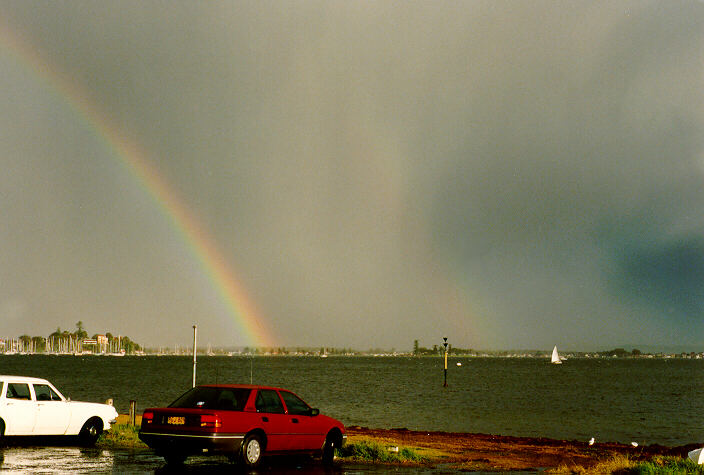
{"x":314,"y":412}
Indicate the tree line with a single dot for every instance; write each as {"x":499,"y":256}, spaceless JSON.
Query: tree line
{"x":64,"y":341}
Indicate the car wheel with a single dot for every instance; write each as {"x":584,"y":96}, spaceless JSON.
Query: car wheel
{"x":329,"y":450}
{"x":2,"y":432}
{"x":252,"y":449}
{"x":90,"y":431}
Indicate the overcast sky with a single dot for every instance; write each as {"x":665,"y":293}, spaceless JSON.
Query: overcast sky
{"x":508,"y":174}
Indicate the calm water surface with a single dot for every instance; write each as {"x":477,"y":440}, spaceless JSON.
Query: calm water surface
{"x":643,"y":400}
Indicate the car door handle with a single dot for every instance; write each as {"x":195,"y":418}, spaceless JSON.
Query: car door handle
{"x":294,"y":420}
{"x":265,"y":419}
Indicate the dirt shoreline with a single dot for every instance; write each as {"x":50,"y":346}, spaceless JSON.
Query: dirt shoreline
{"x":486,"y":452}
{"x":506,"y":453}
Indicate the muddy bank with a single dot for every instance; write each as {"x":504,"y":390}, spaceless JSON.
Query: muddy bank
{"x":507,"y":453}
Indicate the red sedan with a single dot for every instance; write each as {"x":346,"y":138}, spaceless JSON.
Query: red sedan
{"x":242,"y":421}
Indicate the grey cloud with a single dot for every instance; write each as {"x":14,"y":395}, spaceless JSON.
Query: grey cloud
{"x":375,"y":172}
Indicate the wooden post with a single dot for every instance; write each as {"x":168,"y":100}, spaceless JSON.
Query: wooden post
{"x":133,"y":412}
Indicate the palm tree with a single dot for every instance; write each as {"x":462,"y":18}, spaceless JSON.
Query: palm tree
{"x":25,"y":341}
{"x":54,"y":339}
{"x":39,"y":343}
{"x":81,"y":333}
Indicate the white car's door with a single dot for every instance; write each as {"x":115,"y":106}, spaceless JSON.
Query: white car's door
{"x":21,"y":409}
{"x":53,"y":413}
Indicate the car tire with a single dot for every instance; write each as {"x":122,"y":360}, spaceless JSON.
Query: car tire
{"x":174,"y":459}
{"x":252,"y":450}
{"x":90,"y":432}
{"x":329,"y":450}
{"x":2,"y":432}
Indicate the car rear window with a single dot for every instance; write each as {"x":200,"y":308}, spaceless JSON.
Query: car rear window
{"x":228,"y":399}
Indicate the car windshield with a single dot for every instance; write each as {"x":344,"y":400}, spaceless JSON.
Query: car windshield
{"x":229,"y":399}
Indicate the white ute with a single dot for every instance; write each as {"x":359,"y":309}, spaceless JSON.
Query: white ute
{"x":33,"y":406}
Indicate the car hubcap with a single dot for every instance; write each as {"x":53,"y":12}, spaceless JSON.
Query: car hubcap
{"x":253,"y":451}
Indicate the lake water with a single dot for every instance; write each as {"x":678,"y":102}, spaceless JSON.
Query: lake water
{"x":643,"y":400}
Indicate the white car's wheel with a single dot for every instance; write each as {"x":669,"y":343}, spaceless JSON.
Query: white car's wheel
{"x":90,"y":431}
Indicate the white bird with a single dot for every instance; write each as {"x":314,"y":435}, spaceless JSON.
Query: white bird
{"x":634,"y":444}
{"x":591,"y":441}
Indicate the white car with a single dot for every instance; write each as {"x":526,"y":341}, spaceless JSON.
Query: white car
{"x":33,"y":406}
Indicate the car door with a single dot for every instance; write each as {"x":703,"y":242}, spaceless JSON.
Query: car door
{"x":273,"y":420}
{"x":306,"y":434}
{"x":21,"y":409}
{"x":53,"y":413}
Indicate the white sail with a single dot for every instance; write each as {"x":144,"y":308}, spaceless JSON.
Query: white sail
{"x":555,"y":359}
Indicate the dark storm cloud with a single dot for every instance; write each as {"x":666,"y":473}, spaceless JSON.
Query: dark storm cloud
{"x":667,"y":274}
{"x":514,"y":174}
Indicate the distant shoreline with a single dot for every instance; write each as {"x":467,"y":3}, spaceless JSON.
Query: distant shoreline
{"x":497,"y":355}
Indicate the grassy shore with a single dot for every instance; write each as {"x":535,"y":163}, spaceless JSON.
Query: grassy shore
{"x":472,"y":452}
{"x":123,"y":435}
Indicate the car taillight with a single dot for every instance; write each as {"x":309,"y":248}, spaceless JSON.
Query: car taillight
{"x":147,"y":417}
{"x":210,"y":420}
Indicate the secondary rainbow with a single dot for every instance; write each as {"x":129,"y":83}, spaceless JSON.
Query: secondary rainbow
{"x":135,"y":160}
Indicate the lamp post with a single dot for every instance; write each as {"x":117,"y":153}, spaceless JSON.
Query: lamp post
{"x":445,"y":345}
{"x":195,"y":332}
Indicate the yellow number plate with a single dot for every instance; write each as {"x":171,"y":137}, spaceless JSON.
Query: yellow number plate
{"x":176,"y":420}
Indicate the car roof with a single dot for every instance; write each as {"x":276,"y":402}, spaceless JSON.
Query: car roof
{"x":241,"y":386}
{"x":21,"y":379}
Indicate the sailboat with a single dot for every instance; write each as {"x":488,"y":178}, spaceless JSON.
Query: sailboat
{"x":555,"y":359}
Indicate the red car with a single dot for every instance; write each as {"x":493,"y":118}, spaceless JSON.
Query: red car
{"x":242,"y":421}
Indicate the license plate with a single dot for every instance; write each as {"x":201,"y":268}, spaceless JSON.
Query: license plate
{"x":176,"y":420}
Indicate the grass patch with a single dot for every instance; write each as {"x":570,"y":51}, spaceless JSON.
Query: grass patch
{"x":370,"y":451}
{"x":623,"y":465}
{"x":617,"y":464}
{"x":121,"y":436}
{"x":665,"y":466}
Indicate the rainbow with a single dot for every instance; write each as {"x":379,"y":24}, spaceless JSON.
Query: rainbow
{"x":135,"y":160}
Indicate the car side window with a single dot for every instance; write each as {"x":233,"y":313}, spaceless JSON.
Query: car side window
{"x":232,"y":399}
{"x":44,"y":393}
{"x":269,"y":401}
{"x":18,"y":391}
{"x":294,"y":404}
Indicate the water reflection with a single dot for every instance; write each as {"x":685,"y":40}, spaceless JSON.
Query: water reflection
{"x":66,"y":459}
{"x":55,"y":459}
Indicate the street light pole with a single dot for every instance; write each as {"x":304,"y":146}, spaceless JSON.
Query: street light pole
{"x":445,"y":344}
